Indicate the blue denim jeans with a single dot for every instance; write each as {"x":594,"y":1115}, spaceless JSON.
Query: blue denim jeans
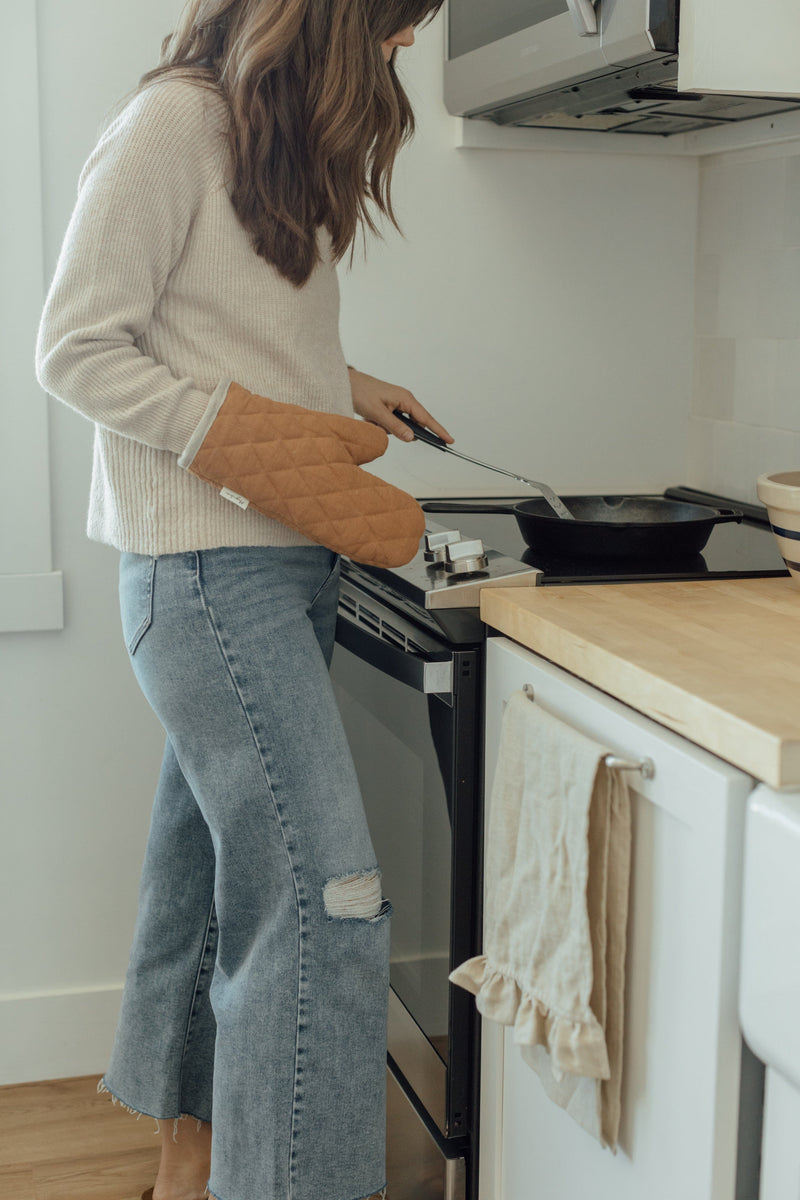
{"x":258,"y":981}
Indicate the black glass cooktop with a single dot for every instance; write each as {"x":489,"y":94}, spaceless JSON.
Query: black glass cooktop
{"x":733,"y":550}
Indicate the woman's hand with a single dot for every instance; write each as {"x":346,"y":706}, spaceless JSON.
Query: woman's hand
{"x":376,"y":401}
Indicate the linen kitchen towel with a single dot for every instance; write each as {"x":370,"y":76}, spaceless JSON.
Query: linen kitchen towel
{"x":557,"y":873}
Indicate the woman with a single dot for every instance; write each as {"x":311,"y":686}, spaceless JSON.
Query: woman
{"x":198,"y":273}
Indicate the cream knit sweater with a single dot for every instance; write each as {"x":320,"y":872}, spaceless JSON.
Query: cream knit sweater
{"x":159,"y":299}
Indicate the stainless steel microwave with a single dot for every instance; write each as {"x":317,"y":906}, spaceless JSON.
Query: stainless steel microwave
{"x":609,"y":65}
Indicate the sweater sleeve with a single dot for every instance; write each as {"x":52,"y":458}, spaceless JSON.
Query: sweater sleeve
{"x":137,"y":197}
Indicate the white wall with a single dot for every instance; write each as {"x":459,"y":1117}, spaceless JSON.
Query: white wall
{"x":745,"y":418}
{"x":80,"y":749}
{"x":540,"y":304}
{"x":31,"y":594}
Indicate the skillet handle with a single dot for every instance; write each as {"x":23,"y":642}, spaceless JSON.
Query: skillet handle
{"x":462,"y":506}
{"x":420,"y":432}
{"x":728,"y":514}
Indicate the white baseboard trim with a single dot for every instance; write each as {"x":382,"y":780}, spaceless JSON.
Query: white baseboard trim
{"x":30,"y":603}
{"x":57,"y":1035}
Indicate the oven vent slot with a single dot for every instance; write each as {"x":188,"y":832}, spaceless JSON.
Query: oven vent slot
{"x":347,"y":603}
{"x":385,"y":630}
{"x":390,"y":634}
{"x":370,"y":619}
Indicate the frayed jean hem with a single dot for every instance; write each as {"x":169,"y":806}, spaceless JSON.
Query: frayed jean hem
{"x":381,"y":1194}
{"x":104,"y":1089}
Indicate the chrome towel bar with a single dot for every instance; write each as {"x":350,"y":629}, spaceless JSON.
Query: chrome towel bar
{"x":645,"y":766}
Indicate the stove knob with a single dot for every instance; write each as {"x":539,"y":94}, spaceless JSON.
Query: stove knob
{"x":465,"y":558}
{"x":435,"y":544}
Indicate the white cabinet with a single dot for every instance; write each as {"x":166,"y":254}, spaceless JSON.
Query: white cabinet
{"x":769,"y":995}
{"x":739,"y":46}
{"x":682,"y":1070}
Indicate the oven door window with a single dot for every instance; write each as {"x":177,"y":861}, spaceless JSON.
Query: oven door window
{"x":401,"y":744}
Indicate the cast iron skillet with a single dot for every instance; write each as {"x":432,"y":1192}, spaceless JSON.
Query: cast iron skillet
{"x":614,"y":527}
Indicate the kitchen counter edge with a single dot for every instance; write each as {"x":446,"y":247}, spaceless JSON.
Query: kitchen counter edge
{"x":716,"y":661}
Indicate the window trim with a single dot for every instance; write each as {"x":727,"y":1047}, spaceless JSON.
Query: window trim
{"x":31,"y":592}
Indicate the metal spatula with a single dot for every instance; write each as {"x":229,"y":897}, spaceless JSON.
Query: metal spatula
{"x":424,"y":435}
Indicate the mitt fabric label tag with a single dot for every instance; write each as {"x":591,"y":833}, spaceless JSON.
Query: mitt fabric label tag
{"x":234,"y":498}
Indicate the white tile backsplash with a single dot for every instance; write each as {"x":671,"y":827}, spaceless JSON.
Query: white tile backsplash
{"x":707,"y":295}
{"x":759,"y":188}
{"x":718,"y":219}
{"x":754,"y":362}
{"x":791,"y":209}
{"x":743,"y":291}
{"x":779,"y":298}
{"x":701,"y":452}
{"x":715,"y":361}
{"x":745,"y":413}
{"x":785,"y":410}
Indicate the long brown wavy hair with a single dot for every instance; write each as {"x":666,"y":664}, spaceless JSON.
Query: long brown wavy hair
{"x":317,"y":114}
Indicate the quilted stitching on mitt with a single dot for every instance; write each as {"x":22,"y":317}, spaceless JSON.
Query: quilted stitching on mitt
{"x":301,"y":467}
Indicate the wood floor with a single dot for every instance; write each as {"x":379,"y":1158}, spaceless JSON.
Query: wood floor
{"x":59,"y":1140}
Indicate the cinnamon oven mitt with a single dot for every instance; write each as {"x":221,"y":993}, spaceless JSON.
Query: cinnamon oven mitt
{"x":302,"y":468}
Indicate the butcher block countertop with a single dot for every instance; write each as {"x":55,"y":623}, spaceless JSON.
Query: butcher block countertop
{"x":717,"y":661}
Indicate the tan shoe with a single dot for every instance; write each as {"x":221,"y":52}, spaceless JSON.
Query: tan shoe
{"x":148,"y":1195}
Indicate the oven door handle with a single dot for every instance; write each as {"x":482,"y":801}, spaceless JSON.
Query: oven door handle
{"x":431,"y":674}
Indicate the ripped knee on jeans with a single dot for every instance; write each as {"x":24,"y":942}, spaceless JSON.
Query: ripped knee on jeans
{"x":354,"y":896}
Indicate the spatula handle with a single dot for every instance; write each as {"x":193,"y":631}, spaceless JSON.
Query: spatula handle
{"x":420,"y":432}
{"x":556,"y":503}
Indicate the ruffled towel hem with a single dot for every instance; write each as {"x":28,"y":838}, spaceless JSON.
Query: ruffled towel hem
{"x":576,"y":1047}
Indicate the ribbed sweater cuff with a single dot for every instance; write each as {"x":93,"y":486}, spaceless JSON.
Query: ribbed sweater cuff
{"x":204,"y":424}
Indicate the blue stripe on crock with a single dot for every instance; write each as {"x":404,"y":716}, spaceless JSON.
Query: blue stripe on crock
{"x":787,"y":533}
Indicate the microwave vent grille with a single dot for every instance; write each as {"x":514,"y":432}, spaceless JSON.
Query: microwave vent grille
{"x":639,"y":99}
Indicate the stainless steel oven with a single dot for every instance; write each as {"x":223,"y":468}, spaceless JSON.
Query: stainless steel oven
{"x":411,"y":703}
